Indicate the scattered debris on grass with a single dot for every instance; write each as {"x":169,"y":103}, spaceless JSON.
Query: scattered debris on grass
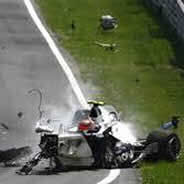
{"x":108,"y":22}
{"x":137,"y":80}
{"x":107,"y":46}
{"x":73,"y":25}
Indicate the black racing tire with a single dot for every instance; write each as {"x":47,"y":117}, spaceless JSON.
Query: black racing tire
{"x":169,"y":144}
{"x":125,"y":164}
{"x":108,"y":158}
{"x":157,"y":136}
{"x":109,"y":162}
{"x":173,"y":147}
{"x":112,"y":161}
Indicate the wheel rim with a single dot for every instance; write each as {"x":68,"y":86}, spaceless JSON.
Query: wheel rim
{"x":174,"y":147}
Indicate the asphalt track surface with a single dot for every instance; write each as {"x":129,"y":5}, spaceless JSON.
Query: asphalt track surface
{"x":26,"y":63}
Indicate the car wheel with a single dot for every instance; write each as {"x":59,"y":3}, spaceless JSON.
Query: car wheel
{"x":173,"y":147}
{"x":157,"y":136}
{"x":124,"y":160}
{"x":168,"y":145}
{"x":109,"y":161}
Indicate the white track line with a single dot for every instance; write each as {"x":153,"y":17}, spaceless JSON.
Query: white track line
{"x":113,"y":173}
{"x":57,"y":54}
{"x":181,"y":4}
{"x":111,"y":177}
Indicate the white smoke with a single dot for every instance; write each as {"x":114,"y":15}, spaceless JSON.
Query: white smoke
{"x":121,"y":129}
{"x":126,"y":133}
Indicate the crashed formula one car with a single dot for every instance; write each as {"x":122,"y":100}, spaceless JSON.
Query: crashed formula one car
{"x":100,"y":143}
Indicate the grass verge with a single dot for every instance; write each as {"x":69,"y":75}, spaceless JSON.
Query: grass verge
{"x":138,"y":78}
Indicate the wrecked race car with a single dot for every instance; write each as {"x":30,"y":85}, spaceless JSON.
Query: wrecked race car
{"x":102,"y":143}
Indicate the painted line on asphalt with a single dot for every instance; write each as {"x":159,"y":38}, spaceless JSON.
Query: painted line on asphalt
{"x":57,"y":54}
{"x":111,"y":177}
{"x":181,"y":4}
{"x":113,"y":174}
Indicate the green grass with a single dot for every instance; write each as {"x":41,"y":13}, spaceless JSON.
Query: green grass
{"x":139,"y":78}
